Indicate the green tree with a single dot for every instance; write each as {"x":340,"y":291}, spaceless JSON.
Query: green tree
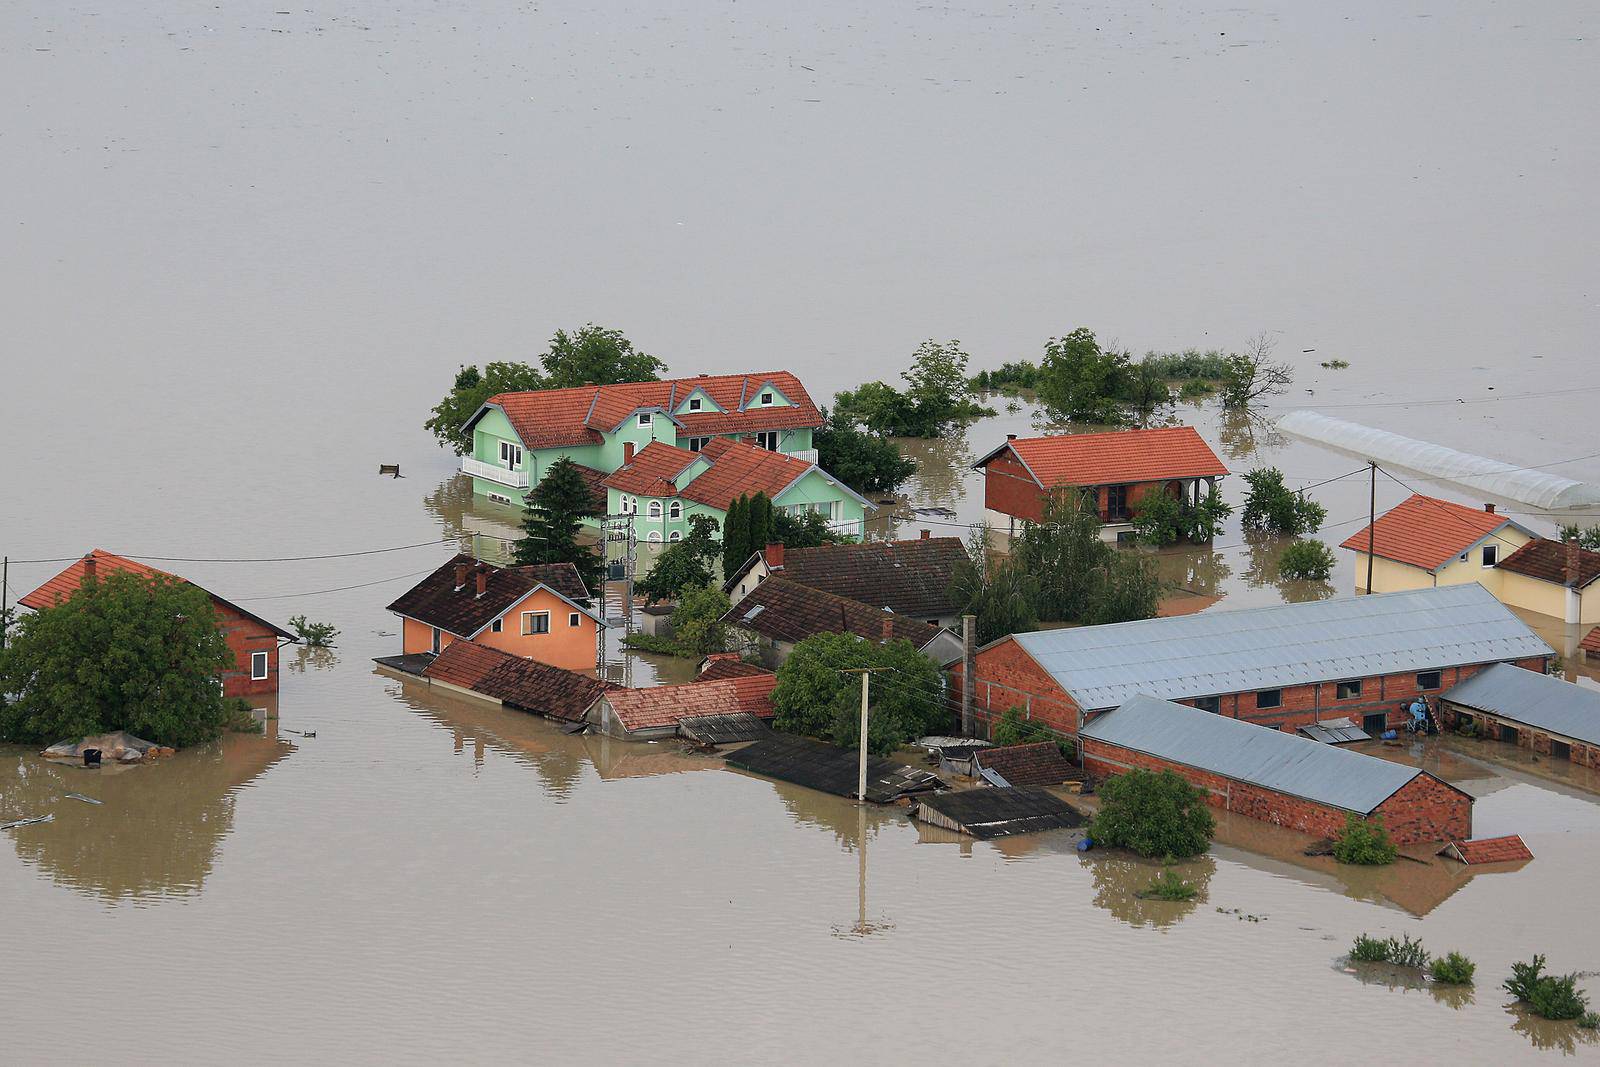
{"x":760,"y":523}
{"x":1080,"y":577}
{"x":1306,"y":560}
{"x":1253,"y":374}
{"x":1273,"y":507}
{"x":1145,"y":388}
{"x":684,"y":564}
{"x":736,"y":546}
{"x":472,"y":388}
{"x":1364,"y":842}
{"x":1013,"y":729}
{"x":881,"y":408}
{"x":937,"y":386}
{"x":1080,"y":382}
{"x":125,"y":652}
{"x":1159,"y":518}
{"x":697,"y":624}
{"x":999,"y":592}
{"x":1154,"y":814}
{"x":866,"y":462}
{"x":596,"y":355}
{"x":1207,"y":517}
{"x":815,"y":699}
{"x":551,"y":518}
{"x":805,"y":531}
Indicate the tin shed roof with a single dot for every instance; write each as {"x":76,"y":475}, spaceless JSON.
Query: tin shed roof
{"x":1287,"y":644}
{"x":1538,"y":700}
{"x":1258,"y":755}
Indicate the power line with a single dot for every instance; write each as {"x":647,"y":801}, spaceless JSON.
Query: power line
{"x":1461,"y":400}
{"x":335,"y":589}
{"x":258,"y":559}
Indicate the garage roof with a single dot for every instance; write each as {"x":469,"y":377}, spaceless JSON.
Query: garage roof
{"x":1538,"y":700}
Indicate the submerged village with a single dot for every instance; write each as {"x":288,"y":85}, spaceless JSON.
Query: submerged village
{"x":716,"y":572}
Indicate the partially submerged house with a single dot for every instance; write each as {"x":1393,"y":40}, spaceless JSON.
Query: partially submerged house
{"x":664,"y":486}
{"x":517,"y":436}
{"x":908,"y":577}
{"x":989,"y":813}
{"x":778,"y":614}
{"x":1549,"y":716}
{"x":1283,"y":666}
{"x":660,"y":711}
{"x":823,"y":767}
{"x":1274,"y":776}
{"x":253,"y":640}
{"x":1036,"y":765}
{"x":1554,"y":578}
{"x":1112,"y":471}
{"x":1425,"y":541}
{"x":522,"y":684}
{"x":539,"y":612}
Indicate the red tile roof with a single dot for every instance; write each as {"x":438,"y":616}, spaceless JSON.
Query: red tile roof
{"x":651,"y":471}
{"x":520,"y":683}
{"x":736,"y":469}
{"x":1039,"y":764}
{"x":667,"y":705}
{"x":436,"y":601}
{"x":63,"y":585}
{"x":1546,"y":560}
{"x":724,"y":665}
{"x":1591,"y":643}
{"x":1116,"y":457}
{"x":1427,"y":532}
{"x":781,"y":610}
{"x":551,"y":418}
{"x":1508,"y":849}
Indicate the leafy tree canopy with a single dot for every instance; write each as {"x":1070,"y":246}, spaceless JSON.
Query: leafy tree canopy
{"x":998,"y":591}
{"x":1154,"y":814}
{"x":1079,"y":381}
{"x":1273,"y":507}
{"x":551,"y":518}
{"x":472,"y":387}
{"x":804,"y":531}
{"x":685,"y":564}
{"x":1306,"y":560}
{"x":1080,"y":577}
{"x":596,"y":355}
{"x":126,"y":652}
{"x":697,"y":624}
{"x":814,"y":699}
{"x":938,"y":395}
{"x":866,"y":462}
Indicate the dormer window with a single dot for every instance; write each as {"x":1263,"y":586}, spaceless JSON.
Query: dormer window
{"x":644,"y":418}
{"x":694,"y":404}
{"x":766,"y":398}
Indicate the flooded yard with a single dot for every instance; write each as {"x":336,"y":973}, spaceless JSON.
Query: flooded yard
{"x":245,"y":250}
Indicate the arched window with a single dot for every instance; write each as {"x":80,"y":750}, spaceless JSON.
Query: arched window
{"x":675,"y":535}
{"x":655,"y":509}
{"x":675,"y":510}
{"x":655,"y":535}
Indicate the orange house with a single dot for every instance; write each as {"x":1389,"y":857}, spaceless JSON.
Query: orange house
{"x":537,"y":612}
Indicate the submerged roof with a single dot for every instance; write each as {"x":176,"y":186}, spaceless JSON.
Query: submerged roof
{"x":1546,"y":560}
{"x":1286,"y":644}
{"x":669,"y":705}
{"x":437,"y":602}
{"x":1038,"y":764}
{"x":823,"y":767}
{"x":911,"y":577}
{"x":63,"y":585}
{"x":1338,"y":731}
{"x":1508,"y":849}
{"x":1427,"y":532}
{"x":521,"y":683}
{"x":781,"y":610}
{"x":990,"y":813}
{"x":1505,"y":481}
{"x":1114,"y":457}
{"x":1258,"y":755}
{"x":1534,"y":699}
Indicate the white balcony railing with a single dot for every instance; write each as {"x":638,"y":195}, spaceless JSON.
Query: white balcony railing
{"x":808,"y":455}
{"x":490,"y":472}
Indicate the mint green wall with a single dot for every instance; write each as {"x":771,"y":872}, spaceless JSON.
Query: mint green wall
{"x":814,"y":488}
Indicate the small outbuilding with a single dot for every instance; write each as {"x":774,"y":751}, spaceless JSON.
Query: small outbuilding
{"x":1023,"y":766}
{"x":1274,"y":776}
{"x":827,"y":769}
{"x":778,"y":614}
{"x":659,"y":711}
{"x":991,"y":813}
{"x":1532,"y":710}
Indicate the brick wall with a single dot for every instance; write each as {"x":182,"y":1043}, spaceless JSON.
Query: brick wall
{"x":1005,"y":675}
{"x":1528,"y":737}
{"x":246,"y":636}
{"x":1425,"y":810}
{"x":1009,"y":488}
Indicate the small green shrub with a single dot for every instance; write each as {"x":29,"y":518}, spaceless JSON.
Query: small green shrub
{"x":1154,"y":814}
{"x":239,"y":718}
{"x":1013,"y":729}
{"x":1170,"y":886}
{"x":1364,"y":842}
{"x":1195,"y":388}
{"x":1336,"y":364}
{"x":314,"y":634}
{"x":1550,"y":996}
{"x":1370,"y":949}
{"x":1306,"y":560}
{"x":1408,"y":953}
{"x":1524,"y":976}
{"x":1589,"y":1020}
{"x":1453,"y":969}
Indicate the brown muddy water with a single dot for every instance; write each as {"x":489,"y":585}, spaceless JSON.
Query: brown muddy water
{"x":245,"y":248}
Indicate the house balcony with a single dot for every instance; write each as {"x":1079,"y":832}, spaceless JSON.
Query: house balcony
{"x":490,"y":472}
{"x":805,"y":455}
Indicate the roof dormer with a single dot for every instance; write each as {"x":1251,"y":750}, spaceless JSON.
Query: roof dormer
{"x":698,"y":402}
{"x":766,"y":395}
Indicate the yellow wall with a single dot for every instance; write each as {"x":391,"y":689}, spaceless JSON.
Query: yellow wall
{"x":1389,"y":576}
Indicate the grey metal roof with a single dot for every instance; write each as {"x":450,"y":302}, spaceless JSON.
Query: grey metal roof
{"x":1258,"y":755}
{"x":1334,"y":732}
{"x":1535,"y":699}
{"x":1288,"y":644}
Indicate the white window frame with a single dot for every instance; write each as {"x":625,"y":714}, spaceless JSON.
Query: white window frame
{"x":645,"y":418}
{"x":496,"y":498}
{"x":766,"y":398}
{"x":698,"y":444}
{"x":655,"y":509}
{"x":1491,"y":555}
{"x":763,"y":436}
{"x":573,"y":618}
{"x":655,"y":535}
{"x":675,"y":535}
{"x":694,"y":403}
{"x":511,"y":455}
{"x":528,"y":618}
{"x":675,"y":510}
{"x":266,"y":666}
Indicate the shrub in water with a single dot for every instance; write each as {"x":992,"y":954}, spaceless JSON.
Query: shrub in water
{"x":1453,"y":969}
{"x":1364,"y":842}
{"x":1154,"y":814}
{"x":1408,"y":953}
{"x":1169,"y":886}
{"x":1370,"y":949}
{"x":1548,"y":995}
{"x":1589,"y":1020}
{"x":1306,"y":560}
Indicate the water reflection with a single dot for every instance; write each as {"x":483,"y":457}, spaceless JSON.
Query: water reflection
{"x":308,"y":658}
{"x":1548,"y":1034}
{"x":1243,"y":433}
{"x":1121,"y":881}
{"x":943,"y":466}
{"x":157,"y":827}
{"x":1406,"y":980}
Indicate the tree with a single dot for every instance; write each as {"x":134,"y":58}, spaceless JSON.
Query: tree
{"x":1253,"y":374}
{"x":806,"y":531}
{"x":814,"y":698}
{"x":697,"y":624}
{"x":1364,"y":842}
{"x":1272,"y":506}
{"x":313,"y":634}
{"x":684,"y":564}
{"x":125,"y":652}
{"x":866,"y":462}
{"x":1154,"y":814}
{"x":596,"y":355}
{"x":760,"y":520}
{"x":1080,"y":382}
{"x":551,"y":518}
{"x":1306,"y":560}
{"x":1080,"y":577}
{"x":938,"y":395}
{"x":879,"y":407}
{"x":999,"y":592}
{"x":1164,"y":519}
{"x":736,"y":546}
{"x":1013,"y":729}
{"x":471,"y":389}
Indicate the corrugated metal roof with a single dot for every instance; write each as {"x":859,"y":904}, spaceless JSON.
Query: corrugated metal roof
{"x":1334,"y":732}
{"x":1287,"y":644}
{"x":1535,"y":699}
{"x":1506,"y":481}
{"x":1255,"y":754}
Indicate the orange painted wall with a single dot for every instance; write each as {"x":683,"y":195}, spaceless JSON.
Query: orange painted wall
{"x":575,"y":648}
{"x":417,"y":637}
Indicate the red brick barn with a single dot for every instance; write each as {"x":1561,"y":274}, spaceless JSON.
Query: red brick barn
{"x":1284,"y":666}
{"x":1548,"y":716}
{"x":1274,"y":776}
{"x":1113,"y":470}
{"x":254,"y":640}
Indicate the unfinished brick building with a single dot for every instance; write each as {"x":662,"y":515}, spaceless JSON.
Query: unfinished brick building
{"x":1274,"y":776}
{"x":1551,"y":717}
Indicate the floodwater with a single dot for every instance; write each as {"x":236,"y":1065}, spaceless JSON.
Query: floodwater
{"x":245,"y":249}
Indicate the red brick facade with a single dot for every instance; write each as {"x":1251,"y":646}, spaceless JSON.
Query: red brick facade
{"x":1425,"y":809}
{"x":246,"y":636}
{"x":1489,"y":725}
{"x":1006,"y":675}
{"x":1009,"y":489}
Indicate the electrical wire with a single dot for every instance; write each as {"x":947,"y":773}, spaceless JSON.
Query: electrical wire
{"x":335,"y":589}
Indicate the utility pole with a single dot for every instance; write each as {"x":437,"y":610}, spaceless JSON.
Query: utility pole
{"x":5,"y":598}
{"x":968,"y":683}
{"x":1372,"y":514}
{"x":861,"y":775}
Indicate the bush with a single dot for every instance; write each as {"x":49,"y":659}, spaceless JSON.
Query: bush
{"x":1548,"y":995}
{"x":1275,"y":508}
{"x":1364,"y":842}
{"x":1453,"y":969}
{"x":1370,"y":949}
{"x":239,"y":718}
{"x":1154,"y":814}
{"x":697,"y":620}
{"x":814,"y":696}
{"x":1195,"y":388}
{"x":1013,"y":729}
{"x":1401,"y":951}
{"x":1306,"y":560}
{"x":1408,"y":953}
{"x":314,"y":634}
{"x":1589,"y":1020}
{"x":1169,"y":886}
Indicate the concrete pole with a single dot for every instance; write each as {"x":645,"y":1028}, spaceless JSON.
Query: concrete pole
{"x":969,"y":685}
{"x":861,"y":777}
{"x":1372,"y":517}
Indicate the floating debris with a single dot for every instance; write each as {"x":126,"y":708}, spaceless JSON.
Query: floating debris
{"x":27,"y":822}
{"x":86,"y":800}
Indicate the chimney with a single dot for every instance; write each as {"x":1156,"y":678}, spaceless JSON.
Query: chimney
{"x":888,"y":628}
{"x":627,"y":451}
{"x":775,"y":555}
{"x":483,"y":580}
{"x":1011,"y":437}
{"x":1489,"y":508}
{"x":925,"y":534}
{"x":1572,"y":563}
{"x":461,"y":576}
{"x":90,"y":565}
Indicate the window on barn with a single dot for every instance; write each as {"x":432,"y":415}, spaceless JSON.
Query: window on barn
{"x":1211,"y":704}
{"x":1375,"y":723}
{"x":1491,"y":553}
{"x":258,"y":666}
{"x":1430,"y":679}
{"x":1269,"y":698}
{"x":1560,"y":750}
{"x":1347,"y":690}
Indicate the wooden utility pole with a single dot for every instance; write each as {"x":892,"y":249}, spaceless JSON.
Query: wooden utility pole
{"x":968,"y":684}
{"x":1372,"y":516}
{"x":861,"y":775}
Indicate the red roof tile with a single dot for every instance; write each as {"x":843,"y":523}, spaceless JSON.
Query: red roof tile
{"x":781,"y":610}
{"x":520,"y":683}
{"x":1508,"y":849}
{"x":1546,"y":560}
{"x":1426,"y":532}
{"x":1116,"y":457}
{"x":1591,"y":643}
{"x":724,"y":665}
{"x":1038,"y":764}
{"x":736,"y":469}
{"x":63,"y":585}
{"x":651,"y":471}
{"x":667,"y":705}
